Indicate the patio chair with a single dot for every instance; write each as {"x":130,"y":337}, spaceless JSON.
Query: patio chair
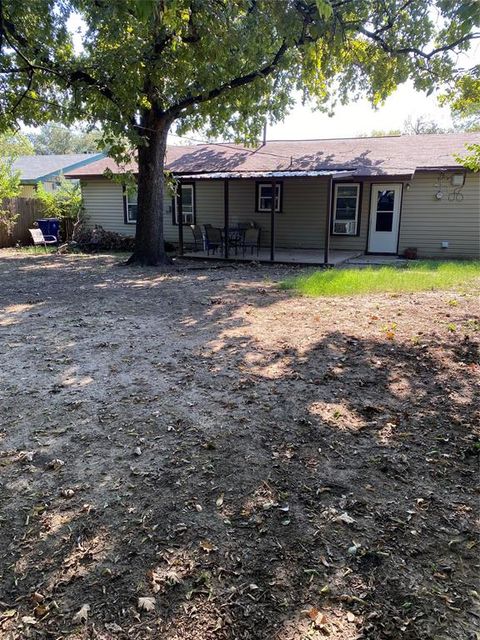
{"x":213,"y":239}
{"x":38,"y":238}
{"x":251,"y":239}
{"x":197,"y":237}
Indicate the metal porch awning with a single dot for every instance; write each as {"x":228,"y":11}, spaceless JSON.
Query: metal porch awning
{"x":227,"y":175}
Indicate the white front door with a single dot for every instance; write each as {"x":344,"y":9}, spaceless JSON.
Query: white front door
{"x":384,"y":218}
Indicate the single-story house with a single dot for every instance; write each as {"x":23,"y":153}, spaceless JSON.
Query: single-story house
{"x":47,"y":169}
{"x":359,"y":195}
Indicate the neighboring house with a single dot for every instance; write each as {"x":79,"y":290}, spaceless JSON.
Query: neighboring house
{"x":373,"y":195}
{"x":47,"y":169}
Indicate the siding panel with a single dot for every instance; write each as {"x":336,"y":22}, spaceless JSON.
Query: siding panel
{"x":103,"y":204}
{"x":426,"y":221}
{"x":302,"y":220}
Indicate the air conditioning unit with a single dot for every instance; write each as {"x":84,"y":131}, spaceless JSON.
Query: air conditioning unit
{"x":347,"y":228}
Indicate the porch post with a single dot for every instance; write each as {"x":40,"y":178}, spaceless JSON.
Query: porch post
{"x":328,"y":218}
{"x":272,"y":222}
{"x":226,"y":222}
{"x":178,"y":202}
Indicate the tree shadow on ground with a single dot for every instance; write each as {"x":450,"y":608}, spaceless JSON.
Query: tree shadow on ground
{"x":257,"y":481}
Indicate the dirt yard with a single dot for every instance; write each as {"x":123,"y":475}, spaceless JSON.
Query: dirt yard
{"x":194,"y":454}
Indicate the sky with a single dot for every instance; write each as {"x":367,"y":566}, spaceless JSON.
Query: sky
{"x":359,"y":117}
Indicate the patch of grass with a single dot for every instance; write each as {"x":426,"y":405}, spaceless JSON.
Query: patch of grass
{"x":425,"y":275}
{"x":114,"y":253}
{"x":36,"y":250}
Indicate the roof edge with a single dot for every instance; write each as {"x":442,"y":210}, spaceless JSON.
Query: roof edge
{"x":68,"y":167}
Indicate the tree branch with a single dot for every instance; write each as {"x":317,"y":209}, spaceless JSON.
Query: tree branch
{"x":16,"y":41}
{"x":239,"y":81}
{"x":374,"y":35}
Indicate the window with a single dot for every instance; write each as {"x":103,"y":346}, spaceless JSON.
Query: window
{"x":385,"y":209}
{"x":130,"y":207}
{"x":345,"y":209}
{"x":188,"y":204}
{"x":264,"y":196}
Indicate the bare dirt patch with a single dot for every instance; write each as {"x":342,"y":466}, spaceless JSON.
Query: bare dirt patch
{"x":192,"y":453}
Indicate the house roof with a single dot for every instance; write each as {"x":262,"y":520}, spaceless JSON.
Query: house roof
{"x":38,"y":168}
{"x":390,"y":155}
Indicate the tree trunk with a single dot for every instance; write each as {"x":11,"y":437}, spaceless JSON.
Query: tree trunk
{"x":149,"y":240}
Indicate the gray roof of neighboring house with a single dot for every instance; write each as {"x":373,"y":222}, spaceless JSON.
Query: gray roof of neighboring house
{"x":38,"y":168}
{"x":389,"y":155}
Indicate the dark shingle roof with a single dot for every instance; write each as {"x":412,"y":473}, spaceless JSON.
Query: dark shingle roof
{"x":392,"y":155}
{"x":34,"y":168}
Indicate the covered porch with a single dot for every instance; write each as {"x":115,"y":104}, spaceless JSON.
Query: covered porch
{"x":297,"y":231}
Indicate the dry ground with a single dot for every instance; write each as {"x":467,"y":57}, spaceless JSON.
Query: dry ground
{"x":256,"y":465}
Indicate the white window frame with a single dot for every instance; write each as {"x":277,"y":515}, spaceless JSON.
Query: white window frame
{"x":351,"y":225}
{"x":278,"y":196}
{"x":188,"y":217}
{"x":128,"y":205}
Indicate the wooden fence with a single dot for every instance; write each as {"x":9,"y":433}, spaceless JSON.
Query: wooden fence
{"x":28,"y":210}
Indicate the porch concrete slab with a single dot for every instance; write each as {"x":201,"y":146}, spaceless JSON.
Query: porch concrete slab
{"x":376,"y":260}
{"x":283,"y":256}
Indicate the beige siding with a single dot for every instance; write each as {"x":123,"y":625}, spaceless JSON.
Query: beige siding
{"x":103,"y":204}
{"x":301,"y":223}
{"x":27,"y":191}
{"x":30,"y":190}
{"x":208,"y":208}
{"x":302,"y":220}
{"x":427,"y":221}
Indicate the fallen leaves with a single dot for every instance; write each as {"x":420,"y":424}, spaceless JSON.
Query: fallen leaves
{"x":345,"y":518}
{"x":177,"y":565}
{"x":318,"y":618}
{"x":55,"y":464}
{"x":207,"y":546}
{"x":82,"y":614}
{"x":146,"y":603}
{"x":8,"y":613}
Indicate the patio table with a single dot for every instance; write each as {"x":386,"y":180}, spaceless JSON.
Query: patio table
{"x":235,"y":236}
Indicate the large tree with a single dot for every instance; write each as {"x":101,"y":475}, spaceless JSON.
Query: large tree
{"x":220,"y":66}
{"x":57,"y":138}
{"x":14,"y":144}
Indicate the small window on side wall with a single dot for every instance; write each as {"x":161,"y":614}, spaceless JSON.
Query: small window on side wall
{"x":188,"y":205}
{"x":130,"y":199}
{"x":345,"y":209}
{"x":264,"y":196}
